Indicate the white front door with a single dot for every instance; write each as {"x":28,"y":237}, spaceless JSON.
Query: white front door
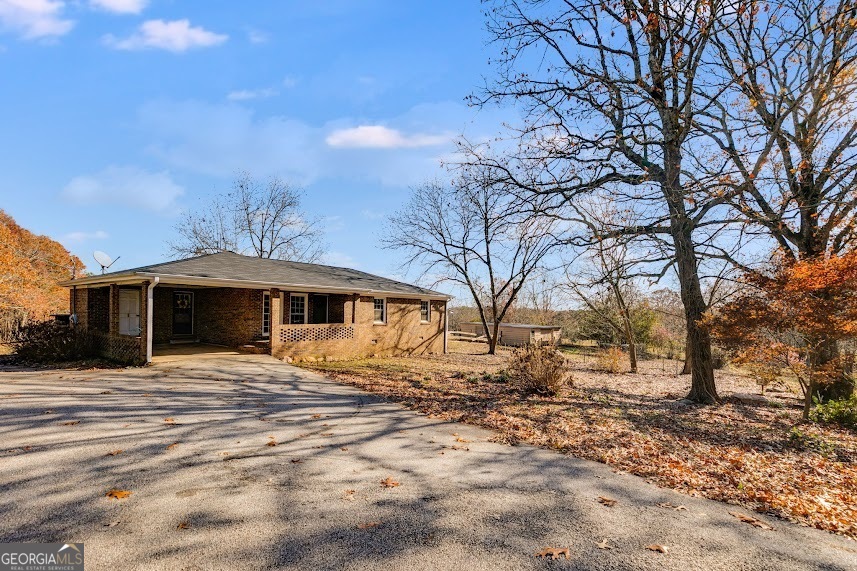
{"x":129,"y":312}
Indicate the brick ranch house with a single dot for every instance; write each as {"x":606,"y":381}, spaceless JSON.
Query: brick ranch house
{"x":290,"y":309}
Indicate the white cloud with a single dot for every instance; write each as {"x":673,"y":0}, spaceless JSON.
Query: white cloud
{"x":380,"y":137}
{"x":120,"y":6}
{"x":247,"y":94}
{"x":35,"y":19}
{"x":221,"y":139}
{"x":257,"y":36}
{"x":80,"y":236}
{"x":372,"y":214}
{"x":127,"y":185}
{"x":175,"y":36}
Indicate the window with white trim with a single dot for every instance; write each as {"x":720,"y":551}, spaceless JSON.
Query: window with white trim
{"x":425,"y":311}
{"x":380,"y":310}
{"x":297,"y":308}
{"x":266,"y":314}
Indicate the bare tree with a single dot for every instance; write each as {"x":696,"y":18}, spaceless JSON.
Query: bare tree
{"x":472,"y":235}
{"x":253,"y":218}
{"x":610,"y":106}
{"x":785,"y":124}
{"x":605,"y":283}
{"x":541,"y":299}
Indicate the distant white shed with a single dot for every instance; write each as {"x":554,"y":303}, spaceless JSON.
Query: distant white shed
{"x":519,"y":334}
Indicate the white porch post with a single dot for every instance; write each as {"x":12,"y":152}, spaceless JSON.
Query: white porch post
{"x":150,"y":312}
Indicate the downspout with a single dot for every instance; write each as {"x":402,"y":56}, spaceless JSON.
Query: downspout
{"x":445,"y":325}
{"x":150,"y":312}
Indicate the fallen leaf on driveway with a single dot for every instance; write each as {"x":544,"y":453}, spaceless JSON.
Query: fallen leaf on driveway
{"x":71,"y":423}
{"x":609,"y":502}
{"x":297,"y":461}
{"x":114,"y":452}
{"x":271,"y":442}
{"x":460,"y":439}
{"x":344,"y":449}
{"x":369,"y":524}
{"x":173,"y":446}
{"x":349,"y":495}
{"x":112,"y":523}
{"x":118,"y":494}
{"x":751,"y":520}
{"x":658,"y":548}
{"x":603,"y":545}
{"x":106,"y":393}
{"x":672,"y":507}
{"x":316,"y":416}
{"x":554,"y":552}
{"x":389,"y":482}
{"x":170,"y":420}
{"x":48,"y":412}
{"x":183,"y":525}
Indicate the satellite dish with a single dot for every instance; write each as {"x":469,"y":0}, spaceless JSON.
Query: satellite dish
{"x":103,"y":260}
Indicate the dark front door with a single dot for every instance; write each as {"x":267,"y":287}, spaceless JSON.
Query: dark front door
{"x":319,"y":309}
{"x":182,"y":313}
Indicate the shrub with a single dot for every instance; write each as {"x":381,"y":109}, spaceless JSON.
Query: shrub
{"x":765,"y":373}
{"x":539,"y":369}
{"x":842,"y":412}
{"x":610,"y":360}
{"x":49,"y":341}
{"x":800,"y":440}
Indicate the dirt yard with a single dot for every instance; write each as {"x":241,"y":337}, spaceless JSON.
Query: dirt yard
{"x":749,"y":450}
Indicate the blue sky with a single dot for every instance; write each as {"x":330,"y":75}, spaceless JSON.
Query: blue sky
{"x":118,"y":114}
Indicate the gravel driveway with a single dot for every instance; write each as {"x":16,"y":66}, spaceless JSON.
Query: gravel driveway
{"x":222,"y":498}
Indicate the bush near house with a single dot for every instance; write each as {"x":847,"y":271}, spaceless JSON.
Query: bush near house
{"x":49,"y":342}
{"x":539,"y":369}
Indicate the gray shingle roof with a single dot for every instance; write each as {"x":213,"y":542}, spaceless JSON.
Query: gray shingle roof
{"x":231,"y":266}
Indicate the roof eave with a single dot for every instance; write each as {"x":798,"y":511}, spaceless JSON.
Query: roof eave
{"x":177,"y":279}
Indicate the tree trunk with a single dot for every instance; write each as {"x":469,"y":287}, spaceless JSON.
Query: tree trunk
{"x":495,"y":336}
{"x":632,"y":355}
{"x":841,"y":387}
{"x":702,"y":387}
{"x":629,"y":339}
{"x":686,"y":369}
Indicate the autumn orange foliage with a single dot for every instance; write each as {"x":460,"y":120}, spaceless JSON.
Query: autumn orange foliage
{"x":30,"y":267}
{"x":792,"y":320}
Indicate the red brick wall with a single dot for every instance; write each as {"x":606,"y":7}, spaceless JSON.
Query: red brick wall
{"x":98,"y":309}
{"x":402,"y":334}
{"x":222,"y":316}
{"x":228,"y":316}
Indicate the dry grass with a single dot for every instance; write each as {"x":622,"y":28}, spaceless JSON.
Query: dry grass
{"x":757,"y":454}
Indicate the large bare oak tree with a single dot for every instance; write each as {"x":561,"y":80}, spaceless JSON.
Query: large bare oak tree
{"x":609,"y":92}
{"x":256,"y":218}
